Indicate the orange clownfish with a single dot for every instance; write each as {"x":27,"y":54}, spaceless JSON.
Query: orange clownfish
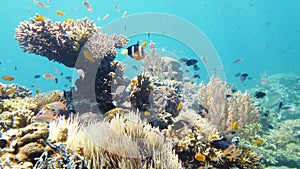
{"x":135,"y":51}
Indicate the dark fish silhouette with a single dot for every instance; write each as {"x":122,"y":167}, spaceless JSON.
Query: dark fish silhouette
{"x":243,"y":77}
{"x":280,"y":105}
{"x":196,"y":76}
{"x":196,"y":67}
{"x":260,"y":95}
{"x":191,"y":62}
{"x":37,"y":76}
{"x":68,"y":77}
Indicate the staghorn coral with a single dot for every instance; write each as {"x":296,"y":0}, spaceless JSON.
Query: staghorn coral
{"x":223,"y":107}
{"x":13,"y":91}
{"x":124,"y":142}
{"x":59,"y":41}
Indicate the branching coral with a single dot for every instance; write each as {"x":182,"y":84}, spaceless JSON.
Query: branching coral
{"x":56,"y":41}
{"x":223,"y":107}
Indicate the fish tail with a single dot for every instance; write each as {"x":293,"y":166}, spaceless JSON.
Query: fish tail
{"x":56,"y":80}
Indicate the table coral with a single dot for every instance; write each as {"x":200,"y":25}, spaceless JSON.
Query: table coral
{"x":59,"y":41}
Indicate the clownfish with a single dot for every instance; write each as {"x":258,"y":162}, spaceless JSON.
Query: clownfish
{"x":135,"y":51}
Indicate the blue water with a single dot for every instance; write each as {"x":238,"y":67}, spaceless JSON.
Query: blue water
{"x":266,"y":34}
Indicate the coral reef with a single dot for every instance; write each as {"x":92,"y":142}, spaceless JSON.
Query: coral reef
{"x":13,"y":91}
{"x":281,"y":145}
{"x":194,"y":136}
{"x":153,"y":121}
{"x":223,"y":108}
{"x":56,"y":41}
{"x":280,"y":89}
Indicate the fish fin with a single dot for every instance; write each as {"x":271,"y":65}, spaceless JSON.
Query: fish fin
{"x":56,"y":80}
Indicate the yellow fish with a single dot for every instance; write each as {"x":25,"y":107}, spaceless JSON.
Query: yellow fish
{"x":39,"y":18}
{"x":200,"y":157}
{"x":144,"y":44}
{"x":89,"y":56}
{"x":61,"y":13}
{"x":258,"y":142}
{"x":69,"y":20}
{"x":234,"y":126}
{"x":179,"y":106}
